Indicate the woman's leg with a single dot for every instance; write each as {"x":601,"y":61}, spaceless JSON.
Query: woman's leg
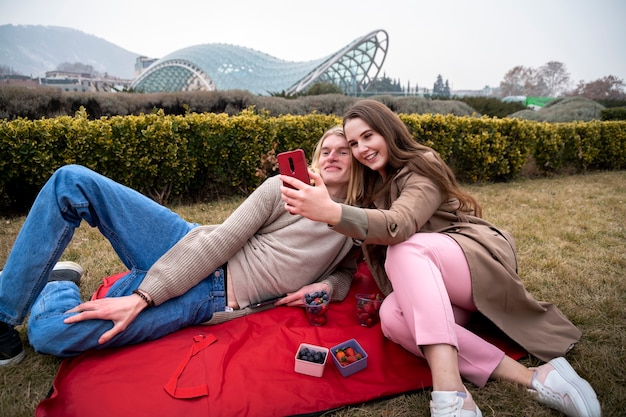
{"x":476,"y":357}
{"x":139,"y":230}
{"x":432,"y":300}
{"x":429,"y":273}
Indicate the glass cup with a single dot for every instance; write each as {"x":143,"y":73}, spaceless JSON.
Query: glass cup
{"x":317,"y":314}
{"x":367,"y":307}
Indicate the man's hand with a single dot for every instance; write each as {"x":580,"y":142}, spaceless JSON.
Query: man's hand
{"x":296,"y":299}
{"x":120,"y":310}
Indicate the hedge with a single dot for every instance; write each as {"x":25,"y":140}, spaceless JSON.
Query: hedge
{"x":204,"y":155}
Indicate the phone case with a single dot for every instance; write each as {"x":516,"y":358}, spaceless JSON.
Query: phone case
{"x":293,"y":163}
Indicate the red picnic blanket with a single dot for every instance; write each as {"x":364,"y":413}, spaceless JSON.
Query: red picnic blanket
{"x":244,"y":367}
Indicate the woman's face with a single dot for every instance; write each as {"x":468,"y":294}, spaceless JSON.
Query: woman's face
{"x":368,"y":146}
{"x":334,"y":163}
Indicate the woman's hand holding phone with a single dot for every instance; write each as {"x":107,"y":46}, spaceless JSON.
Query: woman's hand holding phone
{"x":293,"y":164}
{"x":314,"y":203}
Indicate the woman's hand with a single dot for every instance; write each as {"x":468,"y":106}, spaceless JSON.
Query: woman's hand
{"x":314,"y":203}
{"x":296,"y":299}
{"x":120,"y":310}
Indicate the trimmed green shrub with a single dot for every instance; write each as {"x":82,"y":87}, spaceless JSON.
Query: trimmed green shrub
{"x":200,"y":155}
{"x":614,"y":113}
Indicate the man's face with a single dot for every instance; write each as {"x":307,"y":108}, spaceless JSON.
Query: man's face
{"x":335,"y":161}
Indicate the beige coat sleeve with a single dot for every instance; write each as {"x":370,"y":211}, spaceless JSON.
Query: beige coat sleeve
{"x":415,"y":200}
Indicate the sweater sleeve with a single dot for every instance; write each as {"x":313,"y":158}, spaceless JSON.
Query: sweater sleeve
{"x":204,"y":248}
{"x":340,"y":279}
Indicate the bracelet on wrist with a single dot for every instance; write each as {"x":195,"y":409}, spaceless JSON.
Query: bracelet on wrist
{"x":144,"y":297}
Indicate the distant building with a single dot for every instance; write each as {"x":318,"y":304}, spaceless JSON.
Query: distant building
{"x":212,"y":67}
{"x":142,"y":63}
{"x":19,"y":81}
{"x":485,"y":92}
{"x":72,"y":81}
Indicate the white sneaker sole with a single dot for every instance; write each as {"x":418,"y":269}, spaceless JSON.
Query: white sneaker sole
{"x":584,"y":389}
{"x":69,"y":265}
{"x":14,"y":360}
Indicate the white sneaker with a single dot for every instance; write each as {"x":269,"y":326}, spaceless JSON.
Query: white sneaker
{"x":557,"y":385}
{"x":453,"y":404}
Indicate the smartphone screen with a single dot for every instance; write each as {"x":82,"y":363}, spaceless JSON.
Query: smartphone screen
{"x":293,"y":163}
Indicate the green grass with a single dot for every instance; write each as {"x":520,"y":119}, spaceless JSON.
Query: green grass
{"x":571,"y":238}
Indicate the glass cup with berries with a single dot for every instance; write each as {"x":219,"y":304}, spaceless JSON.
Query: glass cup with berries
{"x":316,"y":307}
{"x":367,"y":306}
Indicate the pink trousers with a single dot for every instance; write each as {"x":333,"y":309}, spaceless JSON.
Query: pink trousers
{"x":432,"y":301}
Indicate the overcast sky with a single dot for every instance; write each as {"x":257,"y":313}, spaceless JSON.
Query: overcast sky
{"x":471,"y":43}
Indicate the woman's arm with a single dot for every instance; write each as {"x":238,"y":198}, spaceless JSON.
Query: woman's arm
{"x":314,"y":203}
{"x":414,"y":201}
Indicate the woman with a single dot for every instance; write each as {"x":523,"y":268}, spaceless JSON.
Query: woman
{"x":440,"y":264}
{"x":186,"y":273}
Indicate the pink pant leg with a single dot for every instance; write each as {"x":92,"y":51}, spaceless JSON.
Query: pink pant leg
{"x":432,"y":300}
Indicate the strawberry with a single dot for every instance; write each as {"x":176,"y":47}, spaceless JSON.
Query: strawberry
{"x":370,"y":308}
{"x":347,"y":355}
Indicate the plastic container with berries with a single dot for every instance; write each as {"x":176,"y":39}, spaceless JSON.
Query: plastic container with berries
{"x":311,"y":359}
{"x":349,"y":357}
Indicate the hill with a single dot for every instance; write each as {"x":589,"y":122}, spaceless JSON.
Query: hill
{"x":32,"y":50}
{"x":568,"y":109}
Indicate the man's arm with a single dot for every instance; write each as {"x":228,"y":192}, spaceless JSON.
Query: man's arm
{"x":340,"y":279}
{"x":203,"y":250}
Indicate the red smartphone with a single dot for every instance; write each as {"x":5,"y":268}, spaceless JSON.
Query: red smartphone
{"x":293,"y":164}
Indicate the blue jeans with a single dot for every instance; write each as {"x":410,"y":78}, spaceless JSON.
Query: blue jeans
{"x":139,"y":230}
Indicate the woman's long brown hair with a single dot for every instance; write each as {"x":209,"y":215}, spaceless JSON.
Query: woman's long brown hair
{"x":404,"y":150}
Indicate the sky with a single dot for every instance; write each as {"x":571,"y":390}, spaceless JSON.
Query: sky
{"x":470,"y":43}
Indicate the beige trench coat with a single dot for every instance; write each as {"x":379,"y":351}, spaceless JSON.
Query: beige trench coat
{"x":499,"y":294}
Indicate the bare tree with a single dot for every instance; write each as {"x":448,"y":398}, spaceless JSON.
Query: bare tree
{"x":515,"y":81}
{"x":555,"y":77}
{"x":607,"y":88}
{"x":6,"y":70}
{"x":550,"y":80}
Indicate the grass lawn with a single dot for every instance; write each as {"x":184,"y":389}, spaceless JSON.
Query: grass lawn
{"x":571,"y":238}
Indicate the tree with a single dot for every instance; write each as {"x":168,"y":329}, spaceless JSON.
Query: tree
{"x":513,"y":82}
{"x":607,"y":88}
{"x":555,"y":77}
{"x":438,"y":87}
{"x":384,"y":85}
{"x":324,"y":87}
{"x":6,"y":70}
{"x":522,"y":81}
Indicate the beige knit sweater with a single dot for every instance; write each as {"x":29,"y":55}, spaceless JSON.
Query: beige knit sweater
{"x":269,"y":252}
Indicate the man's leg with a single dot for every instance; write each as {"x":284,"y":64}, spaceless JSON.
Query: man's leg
{"x":48,"y":333}
{"x":139,"y":230}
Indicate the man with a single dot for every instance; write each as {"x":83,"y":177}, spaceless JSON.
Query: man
{"x":187,"y":274}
